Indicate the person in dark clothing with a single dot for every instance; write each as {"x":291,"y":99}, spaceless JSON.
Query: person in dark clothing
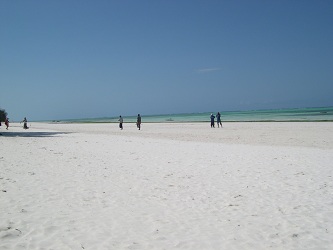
{"x":218,"y":120}
{"x":120,"y":122}
{"x":138,"y":122}
{"x":25,"y":123}
{"x":212,"y":121}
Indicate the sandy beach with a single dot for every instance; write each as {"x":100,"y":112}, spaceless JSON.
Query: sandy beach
{"x":168,"y":186}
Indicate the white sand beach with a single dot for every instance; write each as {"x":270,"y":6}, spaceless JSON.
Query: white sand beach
{"x":168,"y":186}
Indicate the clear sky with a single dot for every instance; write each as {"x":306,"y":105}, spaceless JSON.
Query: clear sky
{"x":84,"y":59}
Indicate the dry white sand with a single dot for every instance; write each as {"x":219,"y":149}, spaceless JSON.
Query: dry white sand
{"x":168,"y":186}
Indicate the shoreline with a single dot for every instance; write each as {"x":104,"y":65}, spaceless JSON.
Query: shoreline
{"x":267,"y":115}
{"x":175,"y":122}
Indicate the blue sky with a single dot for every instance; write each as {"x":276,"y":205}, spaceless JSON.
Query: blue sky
{"x":79,"y":59}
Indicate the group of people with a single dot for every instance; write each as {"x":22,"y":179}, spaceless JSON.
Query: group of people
{"x":218,"y":120}
{"x":138,"y":122}
{"x":25,"y":123}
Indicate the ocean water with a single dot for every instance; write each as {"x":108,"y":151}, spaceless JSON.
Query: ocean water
{"x":274,"y":115}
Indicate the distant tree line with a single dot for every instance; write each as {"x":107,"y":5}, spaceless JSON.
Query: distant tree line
{"x":3,"y":115}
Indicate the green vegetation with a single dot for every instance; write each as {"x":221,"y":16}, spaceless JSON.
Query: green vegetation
{"x":3,"y":115}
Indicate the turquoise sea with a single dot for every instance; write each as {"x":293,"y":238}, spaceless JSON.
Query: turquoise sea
{"x":275,"y":115}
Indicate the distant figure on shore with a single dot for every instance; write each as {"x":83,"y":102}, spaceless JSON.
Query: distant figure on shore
{"x":212,"y":121}
{"x":138,"y":122}
{"x":218,"y":120}
{"x":25,"y":123}
{"x":7,"y":123}
{"x":121,"y":122}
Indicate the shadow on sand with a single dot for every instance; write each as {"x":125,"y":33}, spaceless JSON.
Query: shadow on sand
{"x":31,"y":134}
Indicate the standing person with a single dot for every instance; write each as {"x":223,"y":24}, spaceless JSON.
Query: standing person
{"x":218,"y":119}
{"x":138,"y":122}
{"x":212,"y":121}
{"x":120,"y":122}
{"x":7,"y":123}
{"x":25,"y":123}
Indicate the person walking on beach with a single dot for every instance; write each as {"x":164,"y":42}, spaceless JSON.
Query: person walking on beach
{"x":138,"y":122}
{"x":7,"y":123}
{"x":212,"y":121}
{"x":218,"y":120}
{"x":121,"y":122}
